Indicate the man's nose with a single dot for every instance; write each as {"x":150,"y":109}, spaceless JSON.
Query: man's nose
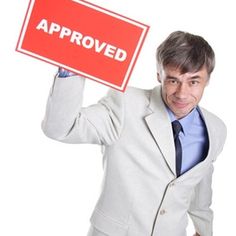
{"x":182,"y":91}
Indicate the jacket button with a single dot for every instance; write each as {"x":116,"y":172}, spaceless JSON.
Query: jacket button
{"x":162,"y":212}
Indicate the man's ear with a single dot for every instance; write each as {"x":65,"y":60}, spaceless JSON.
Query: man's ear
{"x":158,"y":77}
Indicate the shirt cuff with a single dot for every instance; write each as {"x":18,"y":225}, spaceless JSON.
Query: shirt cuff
{"x":62,"y":73}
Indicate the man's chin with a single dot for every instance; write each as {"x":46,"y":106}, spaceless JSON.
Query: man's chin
{"x":180,"y":113}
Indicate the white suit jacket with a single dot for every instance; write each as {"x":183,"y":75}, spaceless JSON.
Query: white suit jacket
{"x":141,"y":195}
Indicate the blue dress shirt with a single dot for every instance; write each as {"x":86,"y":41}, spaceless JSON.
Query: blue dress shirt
{"x":194,"y":139}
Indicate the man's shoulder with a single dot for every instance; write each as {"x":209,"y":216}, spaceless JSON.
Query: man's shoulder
{"x":132,"y":94}
{"x":211,"y":115}
{"x":133,"y":100}
{"x":213,"y":118}
{"x":134,"y":91}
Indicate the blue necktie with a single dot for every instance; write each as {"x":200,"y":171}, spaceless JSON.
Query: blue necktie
{"x":177,"y":127}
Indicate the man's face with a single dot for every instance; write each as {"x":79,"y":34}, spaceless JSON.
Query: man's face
{"x":182,"y":92}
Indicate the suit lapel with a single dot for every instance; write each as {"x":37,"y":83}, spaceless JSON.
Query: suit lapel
{"x":210,"y":126}
{"x":159,"y":125}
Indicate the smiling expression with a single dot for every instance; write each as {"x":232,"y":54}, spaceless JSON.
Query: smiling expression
{"x":182,"y":92}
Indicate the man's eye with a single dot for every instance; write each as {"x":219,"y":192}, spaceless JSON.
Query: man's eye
{"x":173,"y":81}
{"x":194,"y":82}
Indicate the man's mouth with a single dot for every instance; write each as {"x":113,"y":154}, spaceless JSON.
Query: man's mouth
{"x":180,"y":105}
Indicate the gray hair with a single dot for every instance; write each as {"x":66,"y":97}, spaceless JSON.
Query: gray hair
{"x":186,"y":52}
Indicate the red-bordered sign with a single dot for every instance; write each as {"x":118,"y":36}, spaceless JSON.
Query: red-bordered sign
{"x":84,"y":38}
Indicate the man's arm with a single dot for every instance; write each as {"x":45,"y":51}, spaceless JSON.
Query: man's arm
{"x":199,"y":210}
{"x":67,"y":121}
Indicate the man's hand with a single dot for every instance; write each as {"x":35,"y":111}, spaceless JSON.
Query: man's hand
{"x":196,"y":234}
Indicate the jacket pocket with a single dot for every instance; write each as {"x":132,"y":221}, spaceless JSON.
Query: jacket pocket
{"x":107,"y":224}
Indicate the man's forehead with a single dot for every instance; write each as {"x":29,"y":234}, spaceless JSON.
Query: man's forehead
{"x":176,"y":73}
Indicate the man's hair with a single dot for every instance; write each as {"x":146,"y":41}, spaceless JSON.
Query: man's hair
{"x":186,"y":52}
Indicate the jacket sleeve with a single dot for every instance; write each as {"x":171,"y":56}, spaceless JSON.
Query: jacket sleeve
{"x":67,"y":121}
{"x":199,"y":210}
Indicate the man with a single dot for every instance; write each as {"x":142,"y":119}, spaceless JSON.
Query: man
{"x":159,"y":144}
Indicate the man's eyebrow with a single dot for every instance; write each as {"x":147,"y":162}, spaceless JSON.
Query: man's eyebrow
{"x":175,"y":78}
{"x":171,"y":77}
{"x":195,"y":77}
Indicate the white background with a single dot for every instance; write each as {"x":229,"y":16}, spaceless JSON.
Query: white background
{"x":49,"y":188}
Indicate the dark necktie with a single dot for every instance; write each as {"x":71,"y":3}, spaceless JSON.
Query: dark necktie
{"x":177,"y":127}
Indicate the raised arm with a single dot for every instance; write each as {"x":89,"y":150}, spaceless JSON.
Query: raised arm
{"x":67,"y":121}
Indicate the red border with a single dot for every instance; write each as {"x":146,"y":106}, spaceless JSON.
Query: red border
{"x":22,"y":27}
{"x":115,"y":13}
{"x":108,"y":11}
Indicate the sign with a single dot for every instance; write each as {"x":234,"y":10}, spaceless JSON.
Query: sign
{"x":84,"y":38}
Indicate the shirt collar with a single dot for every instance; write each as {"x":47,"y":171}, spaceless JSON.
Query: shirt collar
{"x":186,"y":121}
